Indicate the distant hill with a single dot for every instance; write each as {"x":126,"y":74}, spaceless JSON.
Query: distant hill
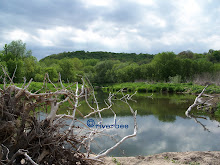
{"x":101,"y":56}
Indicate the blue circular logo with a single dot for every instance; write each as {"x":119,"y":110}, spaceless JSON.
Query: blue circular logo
{"x":91,"y":123}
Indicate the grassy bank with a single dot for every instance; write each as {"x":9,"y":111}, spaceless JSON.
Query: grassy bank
{"x":142,"y":87}
{"x":35,"y":86}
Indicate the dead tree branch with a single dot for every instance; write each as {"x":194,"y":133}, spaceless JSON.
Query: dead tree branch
{"x":29,"y":132}
{"x":196,"y":102}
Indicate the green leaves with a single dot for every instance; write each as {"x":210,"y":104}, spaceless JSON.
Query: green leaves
{"x":107,"y":67}
{"x":18,"y":49}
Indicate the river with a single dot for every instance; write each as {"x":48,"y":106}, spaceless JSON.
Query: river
{"x":162,"y":126}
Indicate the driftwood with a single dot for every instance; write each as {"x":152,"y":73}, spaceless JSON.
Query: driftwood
{"x":195,"y":103}
{"x":27,"y":137}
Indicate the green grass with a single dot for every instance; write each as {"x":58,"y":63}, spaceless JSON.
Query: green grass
{"x":142,"y":87}
{"x":35,"y":86}
{"x":114,"y":160}
{"x":217,"y":112}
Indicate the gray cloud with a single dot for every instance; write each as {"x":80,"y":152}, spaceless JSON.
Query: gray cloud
{"x":51,"y":26}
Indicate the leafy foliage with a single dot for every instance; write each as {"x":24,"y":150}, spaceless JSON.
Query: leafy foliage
{"x":108,"y":67}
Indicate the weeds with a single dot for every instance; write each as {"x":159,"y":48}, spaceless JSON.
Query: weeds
{"x":142,"y":87}
{"x":217,"y":112}
{"x":114,"y":160}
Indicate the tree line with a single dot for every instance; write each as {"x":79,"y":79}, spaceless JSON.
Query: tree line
{"x":107,"y":67}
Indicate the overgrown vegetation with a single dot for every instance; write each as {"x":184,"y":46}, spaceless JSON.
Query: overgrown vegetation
{"x":217,"y":112}
{"x":107,"y":67}
{"x":142,"y":87}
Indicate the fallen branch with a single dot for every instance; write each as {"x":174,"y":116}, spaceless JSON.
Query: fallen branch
{"x":28,"y":132}
{"x":196,"y":102}
{"x":121,"y":141}
{"x":21,"y":152}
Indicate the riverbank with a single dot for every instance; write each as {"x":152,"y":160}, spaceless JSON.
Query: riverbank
{"x":140,"y":87}
{"x":168,"y":158}
{"x":189,"y":88}
{"x":143,"y":87}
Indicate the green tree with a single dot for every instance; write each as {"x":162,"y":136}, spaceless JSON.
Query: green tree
{"x":214,"y":56}
{"x":68,"y":72}
{"x":52,"y":72}
{"x":186,"y":69}
{"x":119,"y":73}
{"x":30,"y":67}
{"x":90,"y":62}
{"x":18,"y":49}
{"x":186,"y":54}
{"x":132,"y":72}
{"x":5,"y":49}
{"x":147,"y":72}
{"x":19,"y":60}
{"x":103,"y":71}
{"x":205,"y":66}
{"x":17,"y":67}
{"x":166,"y":65}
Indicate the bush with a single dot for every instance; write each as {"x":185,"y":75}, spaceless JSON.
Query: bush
{"x":217,"y":113}
{"x":176,"y":79}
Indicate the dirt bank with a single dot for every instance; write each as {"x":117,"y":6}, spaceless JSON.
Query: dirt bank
{"x":209,"y":102}
{"x":168,"y":158}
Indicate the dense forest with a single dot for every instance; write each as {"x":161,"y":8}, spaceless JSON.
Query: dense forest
{"x":107,"y":67}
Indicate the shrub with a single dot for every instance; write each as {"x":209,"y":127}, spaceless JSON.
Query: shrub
{"x":176,"y":79}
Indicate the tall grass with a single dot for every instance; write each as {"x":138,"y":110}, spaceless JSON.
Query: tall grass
{"x":35,"y":86}
{"x":142,"y":87}
{"x":204,"y":78}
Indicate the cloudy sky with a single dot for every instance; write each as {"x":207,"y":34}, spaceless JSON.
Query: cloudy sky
{"x":139,"y":26}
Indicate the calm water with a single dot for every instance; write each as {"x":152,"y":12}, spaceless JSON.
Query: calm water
{"x":162,"y":127}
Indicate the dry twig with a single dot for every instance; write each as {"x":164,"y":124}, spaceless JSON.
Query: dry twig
{"x":25,"y":134}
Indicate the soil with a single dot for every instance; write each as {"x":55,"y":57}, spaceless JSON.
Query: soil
{"x":168,"y":158}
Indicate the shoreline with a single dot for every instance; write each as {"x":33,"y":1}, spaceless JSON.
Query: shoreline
{"x":144,"y":87}
{"x":167,"y":158}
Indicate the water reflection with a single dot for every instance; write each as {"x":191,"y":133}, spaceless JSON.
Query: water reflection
{"x":199,"y":122}
{"x":155,"y":136}
{"x":162,"y":126}
{"x":164,"y":107}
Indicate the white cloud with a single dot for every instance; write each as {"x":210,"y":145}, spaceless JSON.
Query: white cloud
{"x":145,"y":2}
{"x":54,"y":36}
{"x":212,"y":41}
{"x":111,"y":25}
{"x":188,"y":14}
{"x":99,"y":3}
{"x":17,"y":35}
{"x":153,"y":20}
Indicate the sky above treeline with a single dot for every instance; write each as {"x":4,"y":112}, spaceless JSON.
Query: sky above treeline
{"x":130,"y":26}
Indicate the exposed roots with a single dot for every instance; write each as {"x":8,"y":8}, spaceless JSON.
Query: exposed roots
{"x":20,"y":128}
{"x":32,"y":132}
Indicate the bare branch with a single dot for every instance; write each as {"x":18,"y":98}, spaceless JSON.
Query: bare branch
{"x":51,"y":81}
{"x":21,"y":152}
{"x":121,"y":141}
{"x":197,"y":121}
{"x":13,"y":76}
{"x":195,"y":102}
{"x":61,"y":81}
{"x":45,"y":135}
